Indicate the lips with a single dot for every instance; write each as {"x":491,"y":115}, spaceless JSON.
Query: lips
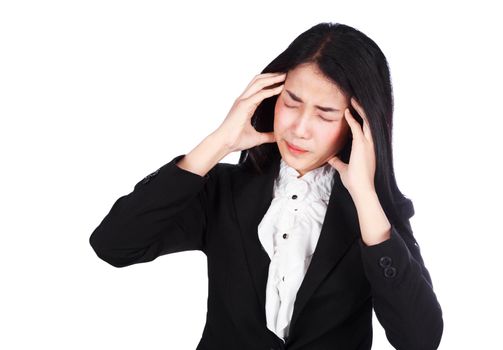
{"x":295,"y":148}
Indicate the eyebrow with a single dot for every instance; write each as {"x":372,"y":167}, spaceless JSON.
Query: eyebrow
{"x":298,"y":99}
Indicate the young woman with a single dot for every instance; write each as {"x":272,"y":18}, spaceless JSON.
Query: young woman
{"x":309,"y":231}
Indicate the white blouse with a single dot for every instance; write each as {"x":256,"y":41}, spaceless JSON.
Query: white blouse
{"x":289,"y":232}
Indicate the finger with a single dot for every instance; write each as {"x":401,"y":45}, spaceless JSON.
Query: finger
{"x":358,"y":107}
{"x":262,"y":75}
{"x":336,"y":163}
{"x":366,"y":126}
{"x":263,"y":94}
{"x":356,"y":129}
{"x":266,"y":137}
{"x":262,"y":82}
{"x":366,"y":131}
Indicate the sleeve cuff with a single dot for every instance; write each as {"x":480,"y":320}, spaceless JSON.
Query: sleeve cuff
{"x":386,"y":263}
{"x":171,"y":169}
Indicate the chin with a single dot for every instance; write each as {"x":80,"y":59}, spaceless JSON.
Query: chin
{"x":298,"y":164}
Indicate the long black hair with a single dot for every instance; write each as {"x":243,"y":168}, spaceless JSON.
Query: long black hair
{"x":353,"y":62}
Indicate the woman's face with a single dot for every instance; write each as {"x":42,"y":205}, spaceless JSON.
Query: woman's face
{"x":320,"y":133}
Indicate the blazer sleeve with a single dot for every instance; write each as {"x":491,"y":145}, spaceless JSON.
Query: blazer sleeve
{"x":403,"y":297}
{"x":165,"y":213}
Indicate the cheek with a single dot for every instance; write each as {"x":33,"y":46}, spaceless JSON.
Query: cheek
{"x":333,"y":137}
{"x":281,"y":117}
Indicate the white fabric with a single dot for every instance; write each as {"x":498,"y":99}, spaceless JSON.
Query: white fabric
{"x":301,"y":219}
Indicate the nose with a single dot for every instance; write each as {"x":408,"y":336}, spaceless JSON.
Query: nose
{"x":300,"y":128}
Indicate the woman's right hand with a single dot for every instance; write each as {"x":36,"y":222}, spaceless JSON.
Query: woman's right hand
{"x":237,"y":130}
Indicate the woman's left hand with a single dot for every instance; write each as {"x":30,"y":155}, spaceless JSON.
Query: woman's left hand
{"x":358,"y":175}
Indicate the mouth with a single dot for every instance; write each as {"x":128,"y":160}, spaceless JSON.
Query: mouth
{"x":295,"y":149}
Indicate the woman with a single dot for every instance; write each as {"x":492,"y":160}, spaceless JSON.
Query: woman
{"x":309,"y":231}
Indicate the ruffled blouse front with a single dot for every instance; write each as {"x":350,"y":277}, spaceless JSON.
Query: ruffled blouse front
{"x":289,"y":232}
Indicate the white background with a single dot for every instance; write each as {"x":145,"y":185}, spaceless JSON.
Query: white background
{"x":94,"y":95}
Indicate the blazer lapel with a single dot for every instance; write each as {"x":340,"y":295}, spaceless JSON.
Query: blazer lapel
{"x":339,"y":231}
{"x":252,"y":195}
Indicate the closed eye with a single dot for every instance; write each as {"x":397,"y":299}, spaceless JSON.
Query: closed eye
{"x":324,"y":119}
{"x":327,"y":120}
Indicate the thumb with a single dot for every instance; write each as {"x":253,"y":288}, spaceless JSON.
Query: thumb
{"x":337,"y":163}
{"x":266,"y":137}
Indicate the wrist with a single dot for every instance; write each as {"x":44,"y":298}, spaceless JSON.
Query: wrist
{"x":364,"y":196}
{"x":221,"y":138}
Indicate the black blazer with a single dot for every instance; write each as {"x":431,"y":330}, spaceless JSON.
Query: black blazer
{"x":174,"y":210}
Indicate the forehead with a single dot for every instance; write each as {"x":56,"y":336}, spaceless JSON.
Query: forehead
{"x":310,"y":84}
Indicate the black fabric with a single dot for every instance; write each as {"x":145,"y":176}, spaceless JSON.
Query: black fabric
{"x":173,"y":210}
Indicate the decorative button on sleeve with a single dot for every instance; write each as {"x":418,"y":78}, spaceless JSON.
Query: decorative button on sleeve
{"x":390,"y":272}
{"x":385,"y":261}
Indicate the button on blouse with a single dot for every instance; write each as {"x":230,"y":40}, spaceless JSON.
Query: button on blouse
{"x":289,"y":232}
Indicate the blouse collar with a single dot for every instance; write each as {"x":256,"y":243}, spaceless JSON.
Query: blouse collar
{"x":318,"y":180}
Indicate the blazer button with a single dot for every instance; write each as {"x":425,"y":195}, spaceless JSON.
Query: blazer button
{"x":294,"y":196}
{"x":390,"y":272}
{"x":385,"y":261}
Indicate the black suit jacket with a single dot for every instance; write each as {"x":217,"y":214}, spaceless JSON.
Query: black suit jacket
{"x":173,"y":210}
